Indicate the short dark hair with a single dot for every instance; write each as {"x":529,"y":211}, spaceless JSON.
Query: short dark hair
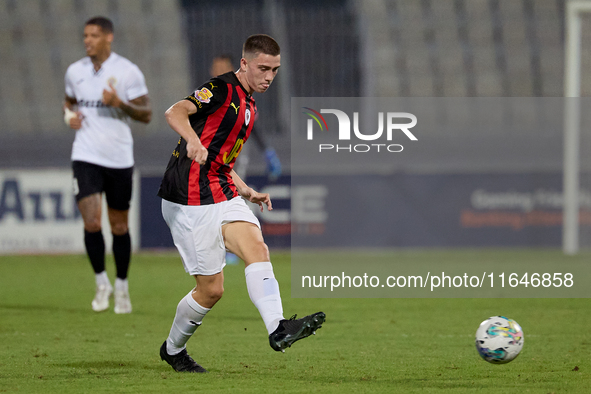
{"x":104,"y":23}
{"x":260,"y":43}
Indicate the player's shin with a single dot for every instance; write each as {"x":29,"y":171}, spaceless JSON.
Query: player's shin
{"x":263,"y":290}
{"x":122,"y":254}
{"x":189,"y":315}
{"x":95,"y":248}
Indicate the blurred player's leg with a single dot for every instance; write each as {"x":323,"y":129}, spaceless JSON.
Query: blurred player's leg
{"x":232,"y":259}
{"x":122,"y":256}
{"x":90,"y":208}
{"x":118,"y":189}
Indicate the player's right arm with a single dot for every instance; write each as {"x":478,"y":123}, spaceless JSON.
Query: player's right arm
{"x":72,"y":117}
{"x":177,"y":117}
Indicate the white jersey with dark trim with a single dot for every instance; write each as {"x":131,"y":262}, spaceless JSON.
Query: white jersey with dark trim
{"x":105,"y":137}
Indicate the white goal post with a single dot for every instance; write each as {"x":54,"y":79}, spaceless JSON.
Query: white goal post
{"x":572,"y":124}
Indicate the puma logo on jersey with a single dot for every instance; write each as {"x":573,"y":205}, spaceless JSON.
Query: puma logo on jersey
{"x":235,"y":107}
{"x":212,"y":86}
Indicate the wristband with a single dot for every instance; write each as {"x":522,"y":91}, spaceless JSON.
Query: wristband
{"x":69,"y":115}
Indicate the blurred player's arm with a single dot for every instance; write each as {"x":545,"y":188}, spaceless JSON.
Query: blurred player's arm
{"x":250,"y":194}
{"x":255,"y":135}
{"x":72,"y":117}
{"x":177,"y":117}
{"x":271,"y":158}
{"x":138,"y":109}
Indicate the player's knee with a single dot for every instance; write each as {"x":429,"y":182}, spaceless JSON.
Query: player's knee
{"x":119,"y":228}
{"x":257,"y":251}
{"x":262,"y":250}
{"x":215,"y":293}
{"x":93,"y":225}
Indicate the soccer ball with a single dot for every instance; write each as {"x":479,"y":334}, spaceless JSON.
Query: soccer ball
{"x":499,"y":339}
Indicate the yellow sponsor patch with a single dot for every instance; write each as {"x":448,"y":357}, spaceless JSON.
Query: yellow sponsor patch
{"x":227,"y":158}
{"x":203,"y":95}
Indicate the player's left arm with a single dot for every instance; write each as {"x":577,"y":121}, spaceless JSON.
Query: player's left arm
{"x":138,"y":109}
{"x":250,"y":194}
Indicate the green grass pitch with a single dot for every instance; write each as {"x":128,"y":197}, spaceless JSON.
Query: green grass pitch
{"x":52,"y":342}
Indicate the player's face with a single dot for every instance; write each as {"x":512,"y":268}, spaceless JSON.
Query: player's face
{"x":260,"y":71}
{"x":96,"y":42}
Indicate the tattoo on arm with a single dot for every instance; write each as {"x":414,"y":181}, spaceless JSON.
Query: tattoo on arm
{"x":138,"y":109}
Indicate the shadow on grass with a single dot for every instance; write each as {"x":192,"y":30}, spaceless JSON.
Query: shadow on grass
{"x":86,"y":310}
{"x":431,"y":382}
{"x":110,"y":365}
{"x":44,"y":307}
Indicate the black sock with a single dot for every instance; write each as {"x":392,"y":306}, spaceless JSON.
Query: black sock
{"x":122,"y":254}
{"x":95,"y":248}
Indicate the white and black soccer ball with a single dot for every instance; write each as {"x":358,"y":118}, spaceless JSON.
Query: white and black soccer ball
{"x":499,"y":339}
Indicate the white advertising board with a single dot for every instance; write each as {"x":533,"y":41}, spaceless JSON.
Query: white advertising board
{"x":38,"y":213}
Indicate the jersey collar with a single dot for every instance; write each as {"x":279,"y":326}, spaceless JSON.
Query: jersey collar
{"x":237,"y":82}
{"x":110,"y":59}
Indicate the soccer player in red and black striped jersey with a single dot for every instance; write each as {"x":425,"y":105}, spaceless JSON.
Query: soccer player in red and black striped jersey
{"x":203,"y":203}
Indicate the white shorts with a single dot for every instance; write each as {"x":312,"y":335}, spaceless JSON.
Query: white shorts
{"x":197,"y":232}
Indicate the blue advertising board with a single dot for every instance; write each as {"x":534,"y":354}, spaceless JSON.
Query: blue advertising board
{"x":399,"y":210}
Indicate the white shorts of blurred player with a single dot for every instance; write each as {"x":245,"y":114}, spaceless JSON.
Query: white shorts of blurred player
{"x":197,"y":232}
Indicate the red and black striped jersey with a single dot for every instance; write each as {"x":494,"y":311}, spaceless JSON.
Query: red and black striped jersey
{"x":223,"y":122}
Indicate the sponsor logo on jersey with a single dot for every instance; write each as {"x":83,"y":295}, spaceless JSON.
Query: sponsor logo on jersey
{"x":91,"y":104}
{"x":234,"y":152}
{"x":195,"y":100}
{"x":203,"y":95}
{"x":235,"y":107}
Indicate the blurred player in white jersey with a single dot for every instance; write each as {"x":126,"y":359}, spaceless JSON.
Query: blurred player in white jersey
{"x":104,"y":91}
